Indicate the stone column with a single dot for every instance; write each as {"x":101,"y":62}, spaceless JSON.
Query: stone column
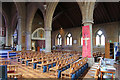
{"x":11,"y":37}
{"x":19,"y":32}
{"x":90,"y":60}
{"x":7,"y":36}
{"x":0,"y":30}
{"x":47,"y":40}
{"x":28,"y":40}
{"x":85,"y":23}
{"x":87,"y":9}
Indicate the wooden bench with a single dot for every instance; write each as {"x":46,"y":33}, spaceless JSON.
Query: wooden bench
{"x":50,"y":62}
{"x":93,"y":71}
{"x":76,"y":69}
{"x":16,"y":56}
{"x":4,"y":62}
{"x":12,"y":72}
{"x":46,"y":60}
{"x":63,"y":65}
{"x":27,"y":56}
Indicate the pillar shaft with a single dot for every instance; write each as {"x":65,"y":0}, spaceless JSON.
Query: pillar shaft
{"x":87,"y":9}
{"x":28,"y":41}
{"x":90,"y":25}
{"x":0,"y":30}
{"x":19,"y":31}
{"x":47,"y":40}
{"x":8,"y":36}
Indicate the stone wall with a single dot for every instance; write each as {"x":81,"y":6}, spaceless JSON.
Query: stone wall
{"x":110,"y":31}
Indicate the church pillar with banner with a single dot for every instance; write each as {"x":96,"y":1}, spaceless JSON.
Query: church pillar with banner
{"x":87,"y":9}
{"x":87,"y":40}
{"x":87,"y":49}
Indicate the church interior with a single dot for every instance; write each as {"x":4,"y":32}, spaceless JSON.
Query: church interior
{"x":77,"y":40}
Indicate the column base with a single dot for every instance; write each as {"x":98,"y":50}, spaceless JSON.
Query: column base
{"x":90,"y":61}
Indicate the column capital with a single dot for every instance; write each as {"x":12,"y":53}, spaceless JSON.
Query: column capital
{"x":87,"y":21}
{"x":28,"y":32}
{"x":48,"y":29}
{"x":19,"y":17}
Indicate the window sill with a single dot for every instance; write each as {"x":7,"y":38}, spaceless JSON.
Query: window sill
{"x":68,"y":46}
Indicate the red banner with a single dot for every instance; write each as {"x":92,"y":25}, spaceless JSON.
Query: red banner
{"x":86,"y":49}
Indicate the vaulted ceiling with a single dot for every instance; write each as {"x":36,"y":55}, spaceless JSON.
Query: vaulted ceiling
{"x":68,"y":15}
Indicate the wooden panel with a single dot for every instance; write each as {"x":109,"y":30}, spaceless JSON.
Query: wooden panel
{"x":23,"y":39}
{"x":109,"y":50}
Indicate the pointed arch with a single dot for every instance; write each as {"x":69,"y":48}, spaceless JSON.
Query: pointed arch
{"x":30,"y":15}
{"x":68,"y":39}
{"x":58,"y":39}
{"x":100,"y":38}
{"x":5,"y":17}
{"x":38,"y":34}
{"x":32,"y":9}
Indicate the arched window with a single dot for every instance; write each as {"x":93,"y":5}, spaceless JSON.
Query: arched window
{"x":100,"y":38}
{"x":81,"y":39}
{"x":69,"y":39}
{"x":59,"y":39}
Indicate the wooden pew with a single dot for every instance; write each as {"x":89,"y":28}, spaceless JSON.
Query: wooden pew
{"x":25,"y":55}
{"x":75,"y":69}
{"x":4,"y":62}
{"x":12,"y":72}
{"x":49,"y":61}
{"x":63,"y":65}
{"x":17,"y":54}
{"x":29,"y":57}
